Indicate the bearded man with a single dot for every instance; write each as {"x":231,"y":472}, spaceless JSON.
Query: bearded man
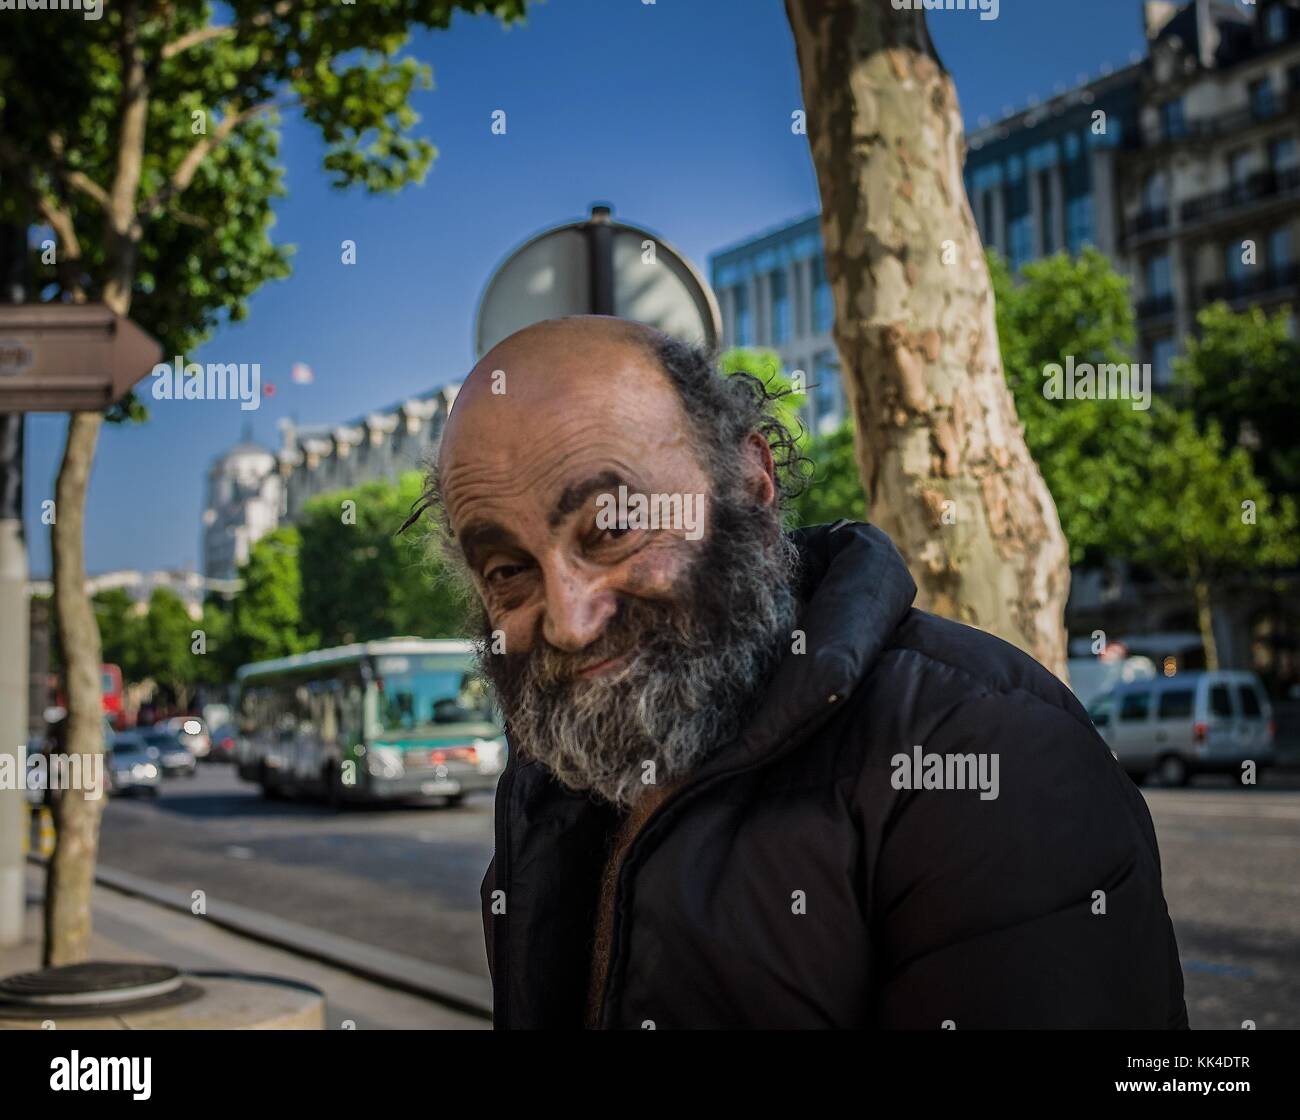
{"x":749,"y":784}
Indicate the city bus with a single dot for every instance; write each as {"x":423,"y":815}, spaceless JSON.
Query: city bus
{"x":390,"y":720}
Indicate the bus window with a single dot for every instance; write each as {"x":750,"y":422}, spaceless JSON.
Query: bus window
{"x":429,"y":692}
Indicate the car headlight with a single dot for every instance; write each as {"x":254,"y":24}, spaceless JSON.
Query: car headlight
{"x":384,"y":762}
{"x":144,"y":770}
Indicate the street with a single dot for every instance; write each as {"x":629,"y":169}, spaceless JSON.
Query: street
{"x":406,"y":879}
{"x":401,"y":878}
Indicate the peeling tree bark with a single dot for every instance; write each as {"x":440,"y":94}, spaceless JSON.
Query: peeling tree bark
{"x":942,"y":454}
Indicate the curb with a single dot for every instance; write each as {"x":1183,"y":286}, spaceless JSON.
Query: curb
{"x":458,"y":990}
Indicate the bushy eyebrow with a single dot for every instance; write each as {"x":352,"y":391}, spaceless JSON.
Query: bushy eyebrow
{"x":479,"y":538}
{"x":575,"y":494}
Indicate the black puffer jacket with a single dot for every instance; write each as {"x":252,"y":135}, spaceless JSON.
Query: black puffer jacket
{"x":788,"y":883}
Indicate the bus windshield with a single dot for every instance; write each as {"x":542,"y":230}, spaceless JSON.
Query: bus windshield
{"x":416,"y":692}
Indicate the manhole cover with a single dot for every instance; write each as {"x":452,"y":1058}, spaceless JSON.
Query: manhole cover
{"x":94,"y":986}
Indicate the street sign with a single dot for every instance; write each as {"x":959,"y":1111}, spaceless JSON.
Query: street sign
{"x":597,"y":267}
{"x":65,"y":357}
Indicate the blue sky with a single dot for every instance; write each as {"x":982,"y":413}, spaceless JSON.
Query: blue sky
{"x":677,"y":112}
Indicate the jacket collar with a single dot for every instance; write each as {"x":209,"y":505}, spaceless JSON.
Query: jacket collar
{"x":855,"y":591}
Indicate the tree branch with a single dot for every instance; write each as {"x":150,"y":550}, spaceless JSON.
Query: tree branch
{"x":77,"y":180}
{"x":205,"y":34}
{"x":189,"y":166}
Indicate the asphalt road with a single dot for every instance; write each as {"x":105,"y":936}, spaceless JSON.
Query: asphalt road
{"x":406,"y":878}
{"x":403,"y":878}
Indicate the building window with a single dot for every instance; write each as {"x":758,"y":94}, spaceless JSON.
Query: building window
{"x":1020,"y":234}
{"x":1279,"y":250}
{"x":1078,"y":223}
{"x":1155,"y":191}
{"x":1238,"y":167}
{"x":1275,"y":25}
{"x":823,"y":304}
{"x":1047,"y":217}
{"x":1072,"y":147}
{"x":990,"y":234}
{"x":1235,"y":267}
{"x":1282,"y":154}
{"x":744,"y":317}
{"x":1163,"y":351}
{"x":828,"y":410}
{"x":1158,"y":276}
{"x":780,"y":307}
{"x":1262,"y":104}
{"x":1173,"y":122}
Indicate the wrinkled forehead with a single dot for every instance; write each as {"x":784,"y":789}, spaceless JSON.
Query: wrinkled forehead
{"x":525,"y":431}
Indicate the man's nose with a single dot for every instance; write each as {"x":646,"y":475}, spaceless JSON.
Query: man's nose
{"x":577,"y":611}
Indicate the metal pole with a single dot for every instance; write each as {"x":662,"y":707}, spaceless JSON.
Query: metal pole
{"x":600,"y":257}
{"x":14,"y":623}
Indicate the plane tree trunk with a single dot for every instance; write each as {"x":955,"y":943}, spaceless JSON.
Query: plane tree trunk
{"x":942,"y":455}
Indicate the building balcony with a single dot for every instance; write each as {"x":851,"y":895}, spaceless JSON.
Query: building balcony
{"x":1155,"y":307}
{"x":1151,"y":220}
{"x":1262,"y":282}
{"x":1264,"y":186}
{"x":1223,"y":125}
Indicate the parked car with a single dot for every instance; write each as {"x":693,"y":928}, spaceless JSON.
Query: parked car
{"x":192,"y":733}
{"x":1187,"y":724}
{"x":174,"y":759}
{"x":133,"y":767}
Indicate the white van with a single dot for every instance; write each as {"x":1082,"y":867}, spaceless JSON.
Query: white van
{"x":1190,"y":723}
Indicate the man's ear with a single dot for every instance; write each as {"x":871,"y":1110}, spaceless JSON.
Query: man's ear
{"x":760,"y":469}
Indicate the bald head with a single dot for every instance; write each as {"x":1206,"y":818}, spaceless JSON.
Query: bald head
{"x":555,"y":362}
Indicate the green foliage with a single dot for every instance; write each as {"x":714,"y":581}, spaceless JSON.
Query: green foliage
{"x":123,"y":630}
{"x":218,"y":664}
{"x":834,"y":490}
{"x":1093,"y":454}
{"x":203,"y":246}
{"x":360,"y":580}
{"x":1243,"y":373}
{"x":1193,"y":521}
{"x":266,"y":620}
{"x":766,"y":366}
{"x":165,"y":652}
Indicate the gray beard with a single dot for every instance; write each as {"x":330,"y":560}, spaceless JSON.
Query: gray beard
{"x":695,"y":670}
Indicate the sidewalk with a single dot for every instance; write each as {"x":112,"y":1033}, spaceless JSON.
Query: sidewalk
{"x":131,"y":928}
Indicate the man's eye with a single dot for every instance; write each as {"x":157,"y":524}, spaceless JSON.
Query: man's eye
{"x":502,"y":573}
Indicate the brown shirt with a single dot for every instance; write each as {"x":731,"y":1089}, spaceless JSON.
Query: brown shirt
{"x":632,"y":824}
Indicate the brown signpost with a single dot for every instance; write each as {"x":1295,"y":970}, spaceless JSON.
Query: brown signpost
{"x":54,"y":357}
{"x":69,"y":357}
